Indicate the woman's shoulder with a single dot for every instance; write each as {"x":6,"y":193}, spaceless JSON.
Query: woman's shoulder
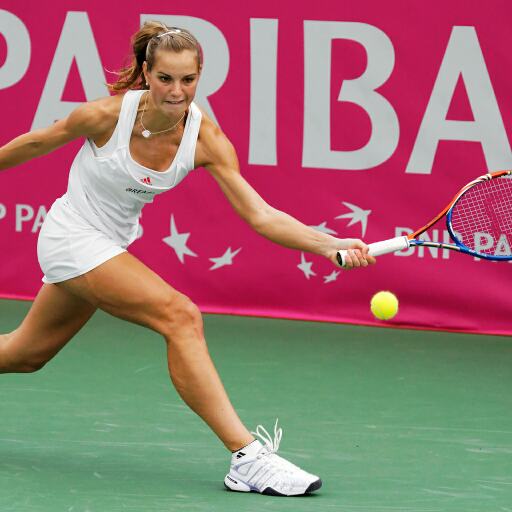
{"x":209,"y":129}
{"x":213,"y":146}
{"x":99,"y":115}
{"x":108,"y":107}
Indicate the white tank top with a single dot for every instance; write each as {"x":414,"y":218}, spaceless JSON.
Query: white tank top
{"x":108,"y":188}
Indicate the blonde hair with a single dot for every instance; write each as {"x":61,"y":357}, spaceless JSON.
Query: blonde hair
{"x":151,"y":37}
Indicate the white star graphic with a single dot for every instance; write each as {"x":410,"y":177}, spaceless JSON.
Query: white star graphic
{"x":178,"y":241}
{"x":305,"y":266}
{"x":324,"y":229}
{"x":357,"y":215}
{"x":331,"y":277}
{"x":225,"y":259}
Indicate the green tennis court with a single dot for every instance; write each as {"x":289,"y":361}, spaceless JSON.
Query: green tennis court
{"x":392,"y":420}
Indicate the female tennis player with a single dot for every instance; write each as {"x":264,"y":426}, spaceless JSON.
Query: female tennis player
{"x":139,"y":143}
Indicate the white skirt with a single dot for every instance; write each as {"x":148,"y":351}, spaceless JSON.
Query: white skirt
{"x":68,"y":246}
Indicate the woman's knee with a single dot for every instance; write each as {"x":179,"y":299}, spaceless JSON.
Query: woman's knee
{"x":27,"y":366}
{"x":182,"y":318}
{"x":10,"y":362}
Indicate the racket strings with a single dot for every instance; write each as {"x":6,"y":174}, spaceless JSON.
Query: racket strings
{"x":482,"y":217}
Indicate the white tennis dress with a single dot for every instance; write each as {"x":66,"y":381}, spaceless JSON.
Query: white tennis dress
{"x":98,"y":216}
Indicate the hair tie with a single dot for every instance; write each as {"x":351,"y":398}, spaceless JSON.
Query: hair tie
{"x":173,"y":31}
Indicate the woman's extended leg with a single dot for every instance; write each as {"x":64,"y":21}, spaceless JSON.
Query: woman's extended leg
{"x":126,"y":288}
{"x":54,"y":318}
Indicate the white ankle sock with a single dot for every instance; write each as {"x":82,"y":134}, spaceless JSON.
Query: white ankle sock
{"x":250,"y":450}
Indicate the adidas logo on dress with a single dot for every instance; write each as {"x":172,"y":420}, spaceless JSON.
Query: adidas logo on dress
{"x":146,"y":180}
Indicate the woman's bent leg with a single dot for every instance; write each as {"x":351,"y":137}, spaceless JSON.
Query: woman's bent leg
{"x":126,"y":288}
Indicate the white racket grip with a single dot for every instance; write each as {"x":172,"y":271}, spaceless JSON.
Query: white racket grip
{"x":378,"y":248}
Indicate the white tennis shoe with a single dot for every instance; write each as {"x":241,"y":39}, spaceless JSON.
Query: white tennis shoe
{"x":257,"y":468}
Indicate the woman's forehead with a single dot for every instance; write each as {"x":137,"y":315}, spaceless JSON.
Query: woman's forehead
{"x":171,"y":62}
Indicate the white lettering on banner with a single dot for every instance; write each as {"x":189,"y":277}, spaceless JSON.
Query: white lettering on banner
{"x":482,"y":241}
{"x":419,"y":250}
{"x":318,"y":36}
{"x":502,"y":246}
{"x":215,"y":50}
{"x":38,"y":222}
{"x":17,"y":39}
{"x":262,"y":137}
{"x":25,"y":213}
{"x":3,"y":211}
{"x":76,"y":43}
{"x":463,"y":58}
{"x":485,"y":241}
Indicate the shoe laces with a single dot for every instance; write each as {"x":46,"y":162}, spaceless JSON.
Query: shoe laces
{"x":272,"y":445}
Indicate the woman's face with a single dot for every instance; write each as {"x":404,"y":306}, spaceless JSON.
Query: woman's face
{"x":173,"y":80}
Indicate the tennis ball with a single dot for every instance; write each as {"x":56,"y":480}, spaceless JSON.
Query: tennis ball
{"x":384,"y":305}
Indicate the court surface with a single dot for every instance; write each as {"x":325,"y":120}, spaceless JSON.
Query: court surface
{"x":392,"y":420}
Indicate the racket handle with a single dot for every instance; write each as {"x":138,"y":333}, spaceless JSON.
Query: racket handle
{"x":378,"y":248}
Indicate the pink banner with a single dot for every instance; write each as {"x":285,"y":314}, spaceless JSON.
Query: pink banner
{"x":361,"y":119}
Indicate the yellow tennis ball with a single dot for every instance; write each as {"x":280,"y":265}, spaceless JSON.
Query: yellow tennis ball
{"x":384,"y":305}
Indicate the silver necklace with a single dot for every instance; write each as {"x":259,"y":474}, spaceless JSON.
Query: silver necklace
{"x":146,"y":133}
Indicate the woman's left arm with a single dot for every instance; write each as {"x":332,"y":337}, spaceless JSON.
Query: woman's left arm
{"x":219,"y":158}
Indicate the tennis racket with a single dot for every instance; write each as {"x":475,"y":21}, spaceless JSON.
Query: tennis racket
{"x":478,"y":218}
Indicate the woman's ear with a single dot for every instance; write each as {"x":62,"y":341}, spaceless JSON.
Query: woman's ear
{"x":145,"y":72}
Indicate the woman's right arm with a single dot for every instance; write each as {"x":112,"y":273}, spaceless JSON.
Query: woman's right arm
{"x":85,"y":121}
